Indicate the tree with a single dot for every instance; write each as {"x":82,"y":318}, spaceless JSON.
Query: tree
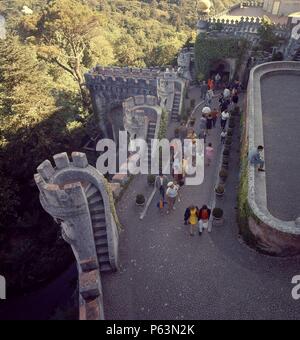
{"x":64,"y":33}
{"x":268,"y":38}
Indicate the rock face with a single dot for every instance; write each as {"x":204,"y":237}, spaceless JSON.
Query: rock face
{"x":78,"y":197}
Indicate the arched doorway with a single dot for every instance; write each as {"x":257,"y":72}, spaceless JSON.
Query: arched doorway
{"x":221,"y":67}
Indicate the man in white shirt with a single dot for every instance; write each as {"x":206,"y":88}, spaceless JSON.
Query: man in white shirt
{"x":172,"y":194}
{"x":224,"y":118}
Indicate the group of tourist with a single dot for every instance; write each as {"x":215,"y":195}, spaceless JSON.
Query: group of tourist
{"x":170,"y":194}
{"x":170,"y":190}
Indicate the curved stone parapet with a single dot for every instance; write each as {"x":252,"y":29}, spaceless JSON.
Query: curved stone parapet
{"x":78,"y":197}
{"x":67,"y":192}
{"x":273,"y":236}
{"x":139,"y":111}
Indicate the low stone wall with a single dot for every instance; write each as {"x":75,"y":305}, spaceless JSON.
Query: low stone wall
{"x":90,"y":290}
{"x":271,"y":235}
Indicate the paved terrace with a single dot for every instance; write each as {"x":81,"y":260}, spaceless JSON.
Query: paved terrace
{"x":255,"y":12}
{"x":167,"y":274}
{"x":281,"y":123}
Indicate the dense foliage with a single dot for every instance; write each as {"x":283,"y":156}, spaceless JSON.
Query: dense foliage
{"x":210,"y":50}
{"x":44,"y":106}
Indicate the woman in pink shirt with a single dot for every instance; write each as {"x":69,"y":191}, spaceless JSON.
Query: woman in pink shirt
{"x":209,"y":151}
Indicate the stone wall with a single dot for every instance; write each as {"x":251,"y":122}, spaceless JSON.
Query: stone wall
{"x":78,"y":197}
{"x":109,"y":87}
{"x":247,"y":27}
{"x":271,"y":235}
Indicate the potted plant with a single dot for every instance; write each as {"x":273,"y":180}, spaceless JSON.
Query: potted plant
{"x":231,"y":124}
{"x":223,"y":175}
{"x":230,"y":133}
{"x":236,"y":111}
{"x":218,"y":214}
{"x":225,"y":163}
{"x":151,"y":180}
{"x":226,"y":154}
{"x":140,"y":200}
{"x":220,"y":191}
{"x":228,"y":141}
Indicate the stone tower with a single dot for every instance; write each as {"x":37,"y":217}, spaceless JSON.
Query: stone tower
{"x":78,"y":197}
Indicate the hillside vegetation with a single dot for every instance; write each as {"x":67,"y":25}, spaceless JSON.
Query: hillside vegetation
{"x":45,"y":109}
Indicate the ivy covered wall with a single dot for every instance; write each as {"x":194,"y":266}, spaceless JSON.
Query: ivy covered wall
{"x":209,"y":50}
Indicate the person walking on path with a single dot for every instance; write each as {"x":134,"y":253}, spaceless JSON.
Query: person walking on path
{"x":204,"y":89}
{"x":235,"y":99}
{"x":161,"y":184}
{"x":227,"y":93}
{"x":224,"y":103}
{"x":209,"y":123}
{"x":204,"y":216}
{"x":224,"y":118}
{"x":172,"y":194}
{"x":187,"y":216}
{"x":209,"y":98}
{"x":218,"y":80}
{"x":255,"y":158}
{"x":223,"y":136}
{"x":193,"y":219}
{"x":202,"y":127}
{"x":214,"y":115}
{"x":209,"y":153}
{"x":183,"y":131}
{"x":211,"y":84}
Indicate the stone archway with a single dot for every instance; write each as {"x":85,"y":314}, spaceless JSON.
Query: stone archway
{"x":225,"y":67}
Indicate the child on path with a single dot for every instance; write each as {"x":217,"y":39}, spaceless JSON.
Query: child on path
{"x":209,"y":152}
{"x":204,"y":216}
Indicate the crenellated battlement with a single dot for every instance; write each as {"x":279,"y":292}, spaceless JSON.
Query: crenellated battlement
{"x":133,"y":102}
{"x":111,"y":86}
{"x":126,"y":72}
{"x":79,"y":198}
{"x":246,"y":27}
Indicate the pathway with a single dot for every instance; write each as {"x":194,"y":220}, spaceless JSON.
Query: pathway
{"x":167,"y":274}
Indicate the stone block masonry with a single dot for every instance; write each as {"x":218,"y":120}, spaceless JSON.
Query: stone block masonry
{"x":80,"y":199}
{"x":273,"y":235}
{"x":110,"y":87}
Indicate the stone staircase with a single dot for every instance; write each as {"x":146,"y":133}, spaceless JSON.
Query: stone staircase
{"x":97,"y":212}
{"x":176,"y":105}
{"x":150,"y":136}
{"x":297,"y":55}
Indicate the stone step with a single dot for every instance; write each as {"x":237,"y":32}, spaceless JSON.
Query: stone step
{"x":98,"y":218}
{"x":100,"y":234}
{"x":102,"y":251}
{"x":99,"y":227}
{"x":97,"y":210}
{"x":95,"y":199}
{"x":101,"y":242}
{"x":104,"y":259}
{"x":105,"y":268}
{"x":90,"y":191}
